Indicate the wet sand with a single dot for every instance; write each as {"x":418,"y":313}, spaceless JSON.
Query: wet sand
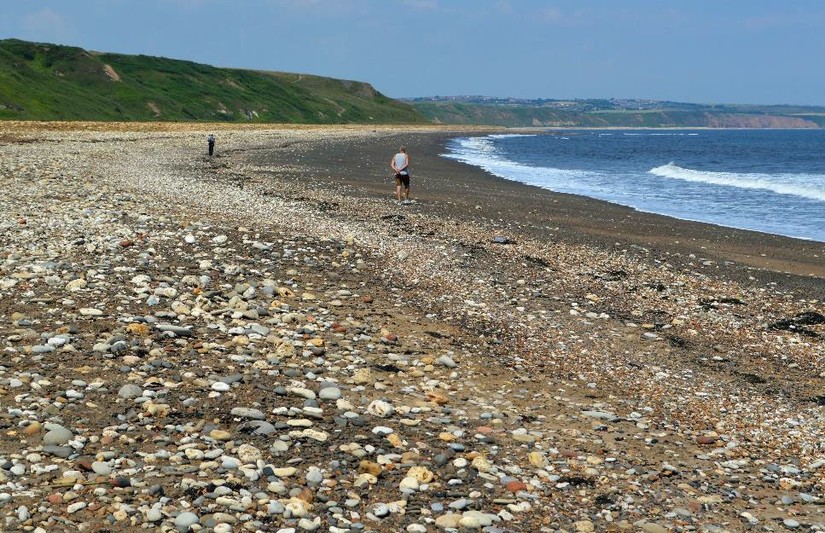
{"x":452,"y":189}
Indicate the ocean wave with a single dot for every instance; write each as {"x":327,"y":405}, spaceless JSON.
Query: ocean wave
{"x":511,"y":135}
{"x":660,"y":134}
{"x":482,"y":152}
{"x":811,"y":186}
{"x":783,"y":203}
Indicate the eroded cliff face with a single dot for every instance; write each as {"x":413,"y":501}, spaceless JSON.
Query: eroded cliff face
{"x":756,"y":121}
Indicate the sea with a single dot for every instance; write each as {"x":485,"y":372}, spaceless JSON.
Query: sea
{"x":772,"y":181}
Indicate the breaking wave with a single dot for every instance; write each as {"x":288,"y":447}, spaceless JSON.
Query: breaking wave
{"x":811,"y":186}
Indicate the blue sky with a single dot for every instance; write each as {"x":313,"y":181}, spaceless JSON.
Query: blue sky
{"x":703,"y":51}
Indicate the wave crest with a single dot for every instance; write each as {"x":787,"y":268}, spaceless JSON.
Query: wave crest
{"x":811,"y":186}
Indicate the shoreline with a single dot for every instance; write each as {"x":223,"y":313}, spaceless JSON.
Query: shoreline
{"x":586,"y":219}
{"x":270,"y":339}
{"x":539,"y":131}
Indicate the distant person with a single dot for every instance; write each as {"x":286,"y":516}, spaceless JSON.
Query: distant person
{"x":211,"y":141}
{"x":401,"y":166}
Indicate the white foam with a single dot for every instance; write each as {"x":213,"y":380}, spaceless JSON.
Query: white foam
{"x":811,"y":186}
{"x":714,"y":197}
{"x":511,"y":135}
{"x":481,"y":152}
{"x":658,"y":134}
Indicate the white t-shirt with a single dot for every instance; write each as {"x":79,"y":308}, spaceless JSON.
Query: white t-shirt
{"x":401,"y":160}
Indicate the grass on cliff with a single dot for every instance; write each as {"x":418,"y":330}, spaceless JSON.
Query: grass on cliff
{"x":683,"y":115}
{"x":53,"y":82}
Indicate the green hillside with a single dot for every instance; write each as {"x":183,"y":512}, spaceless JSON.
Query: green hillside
{"x":613,"y":113}
{"x":52,"y":82}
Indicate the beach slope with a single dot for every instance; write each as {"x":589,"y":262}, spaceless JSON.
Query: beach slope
{"x":264,"y":339}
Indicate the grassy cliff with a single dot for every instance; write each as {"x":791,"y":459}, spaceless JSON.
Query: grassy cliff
{"x":52,"y":82}
{"x":614,"y":114}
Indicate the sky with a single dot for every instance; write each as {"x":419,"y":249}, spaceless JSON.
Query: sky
{"x":699,"y":51}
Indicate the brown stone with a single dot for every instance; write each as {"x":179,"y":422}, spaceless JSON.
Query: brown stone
{"x":438,"y":397}
{"x":138,"y":328}
{"x":121,"y":482}
{"x":84,"y":464}
{"x":306,"y":495}
{"x":369,"y":467}
{"x":32,"y":429}
{"x":410,"y":457}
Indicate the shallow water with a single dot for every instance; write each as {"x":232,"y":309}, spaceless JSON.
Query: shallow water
{"x":765,"y":180}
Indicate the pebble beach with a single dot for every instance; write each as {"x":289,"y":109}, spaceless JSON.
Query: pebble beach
{"x":264,"y":340}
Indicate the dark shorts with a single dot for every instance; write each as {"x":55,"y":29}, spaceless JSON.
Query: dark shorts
{"x":400,"y":179}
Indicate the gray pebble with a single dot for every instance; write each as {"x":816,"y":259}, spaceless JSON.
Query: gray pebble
{"x":246,"y":412}
{"x":58,"y":451}
{"x":329,"y":393}
{"x":185,"y":520}
{"x":57,"y":435}
{"x":381,"y":510}
{"x":129,"y":391}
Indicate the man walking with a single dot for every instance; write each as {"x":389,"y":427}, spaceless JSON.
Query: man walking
{"x":211,"y":141}
{"x":400,"y":164}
